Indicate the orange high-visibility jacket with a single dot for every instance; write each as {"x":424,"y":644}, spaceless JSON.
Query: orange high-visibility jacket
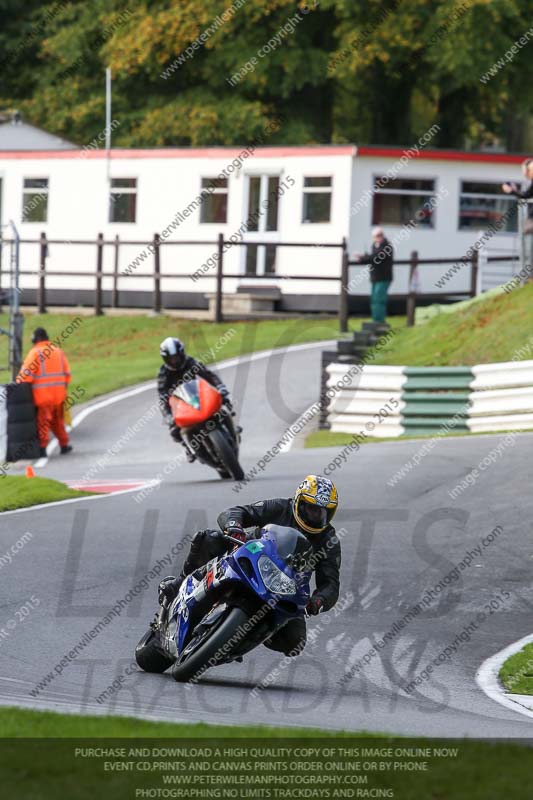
{"x":47,"y":369}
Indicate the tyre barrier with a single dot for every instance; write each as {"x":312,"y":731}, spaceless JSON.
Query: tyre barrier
{"x":18,"y":425}
{"x":418,"y":401}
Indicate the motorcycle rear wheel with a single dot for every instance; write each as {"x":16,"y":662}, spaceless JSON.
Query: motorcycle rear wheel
{"x":198,"y":662}
{"x":149,"y":655}
{"x":227,"y":454}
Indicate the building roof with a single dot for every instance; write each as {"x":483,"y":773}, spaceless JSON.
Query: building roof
{"x":489,"y":157}
{"x":19,"y":136}
{"x":68,"y":150}
{"x":191,"y":152}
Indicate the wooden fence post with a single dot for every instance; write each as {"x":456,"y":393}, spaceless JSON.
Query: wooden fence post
{"x":157,"y":274}
{"x":343,"y":295}
{"x":219,"y":316}
{"x":411,"y":296}
{"x":99,"y":263}
{"x":114,"y":297}
{"x":473,"y":273}
{"x":41,"y":291}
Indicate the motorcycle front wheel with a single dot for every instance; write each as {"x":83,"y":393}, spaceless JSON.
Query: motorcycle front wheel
{"x":211,"y":651}
{"x":226,"y":454}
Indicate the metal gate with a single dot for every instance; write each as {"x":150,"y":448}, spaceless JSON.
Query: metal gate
{"x":11,"y":353}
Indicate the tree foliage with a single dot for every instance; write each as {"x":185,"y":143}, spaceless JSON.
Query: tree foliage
{"x":365,"y":71}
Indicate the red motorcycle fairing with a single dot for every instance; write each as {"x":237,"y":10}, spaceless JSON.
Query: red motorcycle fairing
{"x":194,"y":402}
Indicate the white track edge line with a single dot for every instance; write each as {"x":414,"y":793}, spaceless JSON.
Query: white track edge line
{"x":101,"y":496}
{"x":488,"y":681}
{"x":230,"y":362}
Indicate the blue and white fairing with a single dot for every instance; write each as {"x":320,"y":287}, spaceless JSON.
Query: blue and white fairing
{"x":270,"y":567}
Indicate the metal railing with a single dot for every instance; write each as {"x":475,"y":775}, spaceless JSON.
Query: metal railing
{"x":12,"y":298}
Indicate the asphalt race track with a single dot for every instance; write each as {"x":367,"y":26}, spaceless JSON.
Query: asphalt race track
{"x":399,"y":544}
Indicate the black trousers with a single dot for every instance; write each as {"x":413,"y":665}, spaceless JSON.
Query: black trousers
{"x":289,"y":640}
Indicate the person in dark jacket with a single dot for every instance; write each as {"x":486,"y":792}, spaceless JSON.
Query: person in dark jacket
{"x":177,"y":368}
{"x":524,"y":194}
{"x":310,"y":511}
{"x":380,"y":260}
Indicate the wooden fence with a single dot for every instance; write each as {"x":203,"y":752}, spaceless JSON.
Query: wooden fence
{"x":156,"y":275}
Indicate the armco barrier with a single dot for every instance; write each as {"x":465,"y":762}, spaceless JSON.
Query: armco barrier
{"x":488,"y":397}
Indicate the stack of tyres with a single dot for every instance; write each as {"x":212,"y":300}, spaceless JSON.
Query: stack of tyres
{"x":22,"y":441}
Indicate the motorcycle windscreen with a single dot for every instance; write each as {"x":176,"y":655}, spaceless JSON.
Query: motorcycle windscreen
{"x":292,"y":546}
{"x":194,"y":402}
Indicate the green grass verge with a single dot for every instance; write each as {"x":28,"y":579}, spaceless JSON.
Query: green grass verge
{"x":516,"y":673}
{"x":498,"y":328}
{"x":17,"y":722}
{"x":17,"y":491}
{"x":44,"y":768}
{"x":330,"y":439}
{"x":339,"y":439}
{"x":108,"y":353}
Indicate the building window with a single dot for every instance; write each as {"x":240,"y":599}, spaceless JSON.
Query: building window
{"x":35,"y":200}
{"x":215,"y":201}
{"x":123,"y":200}
{"x":401,"y":201}
{"x":483,"y":204}
{"x":317,"y":200}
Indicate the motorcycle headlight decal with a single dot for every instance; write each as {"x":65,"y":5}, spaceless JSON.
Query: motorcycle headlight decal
{"x":274,"y":579}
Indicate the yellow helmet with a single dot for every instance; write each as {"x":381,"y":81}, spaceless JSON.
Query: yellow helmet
{"x":315,"y":503}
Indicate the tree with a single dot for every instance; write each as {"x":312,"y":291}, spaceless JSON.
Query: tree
{"x":208,"y":72}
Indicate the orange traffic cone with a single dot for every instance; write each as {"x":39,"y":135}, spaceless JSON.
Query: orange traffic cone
{"x":29,"y":472}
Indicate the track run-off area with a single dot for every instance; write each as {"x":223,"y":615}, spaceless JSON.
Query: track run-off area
{"x":434,"y":581}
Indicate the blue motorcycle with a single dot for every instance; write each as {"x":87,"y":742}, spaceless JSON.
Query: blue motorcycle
{"x":230,"y":606}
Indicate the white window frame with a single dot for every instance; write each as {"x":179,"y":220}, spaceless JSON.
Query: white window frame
{"x":35,"y":191}
{"x":413,"y":192}
{"x":273,"y":237}
{"x":123,"y":190}
{"x":318,"y":190}
{"x":217,"y":190}
{"x":508,"y":198}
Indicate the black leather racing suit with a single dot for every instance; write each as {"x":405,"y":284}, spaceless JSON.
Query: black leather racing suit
{"x":208,"y":544}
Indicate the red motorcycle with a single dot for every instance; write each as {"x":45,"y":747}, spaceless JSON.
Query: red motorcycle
{"x":206,"y":426}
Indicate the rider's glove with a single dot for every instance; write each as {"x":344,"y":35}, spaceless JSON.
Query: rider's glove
{"x":314,"y":606}
{"x":175,"y":432}
{"x":168,"y":588}
{"x":236,"y":530}
{"x":224,"y":391}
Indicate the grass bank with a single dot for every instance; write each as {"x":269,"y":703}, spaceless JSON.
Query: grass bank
{"x":108,"y":353}
{"x":516,"y":673}
{"x":21,"y":492}
{"x":54,"y":755}
{"x":498,"y":328}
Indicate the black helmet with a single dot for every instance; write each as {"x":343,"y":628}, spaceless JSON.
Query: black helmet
{"x":39,"y":335}
{"x":172,"y":352}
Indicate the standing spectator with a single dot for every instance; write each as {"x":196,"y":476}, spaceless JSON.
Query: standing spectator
{"x":524,"y":194}
{"x":381,"y":260}
{"x":47,"y":369}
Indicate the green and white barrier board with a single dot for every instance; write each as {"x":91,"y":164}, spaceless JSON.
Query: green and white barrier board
{"x":418,"y":401}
